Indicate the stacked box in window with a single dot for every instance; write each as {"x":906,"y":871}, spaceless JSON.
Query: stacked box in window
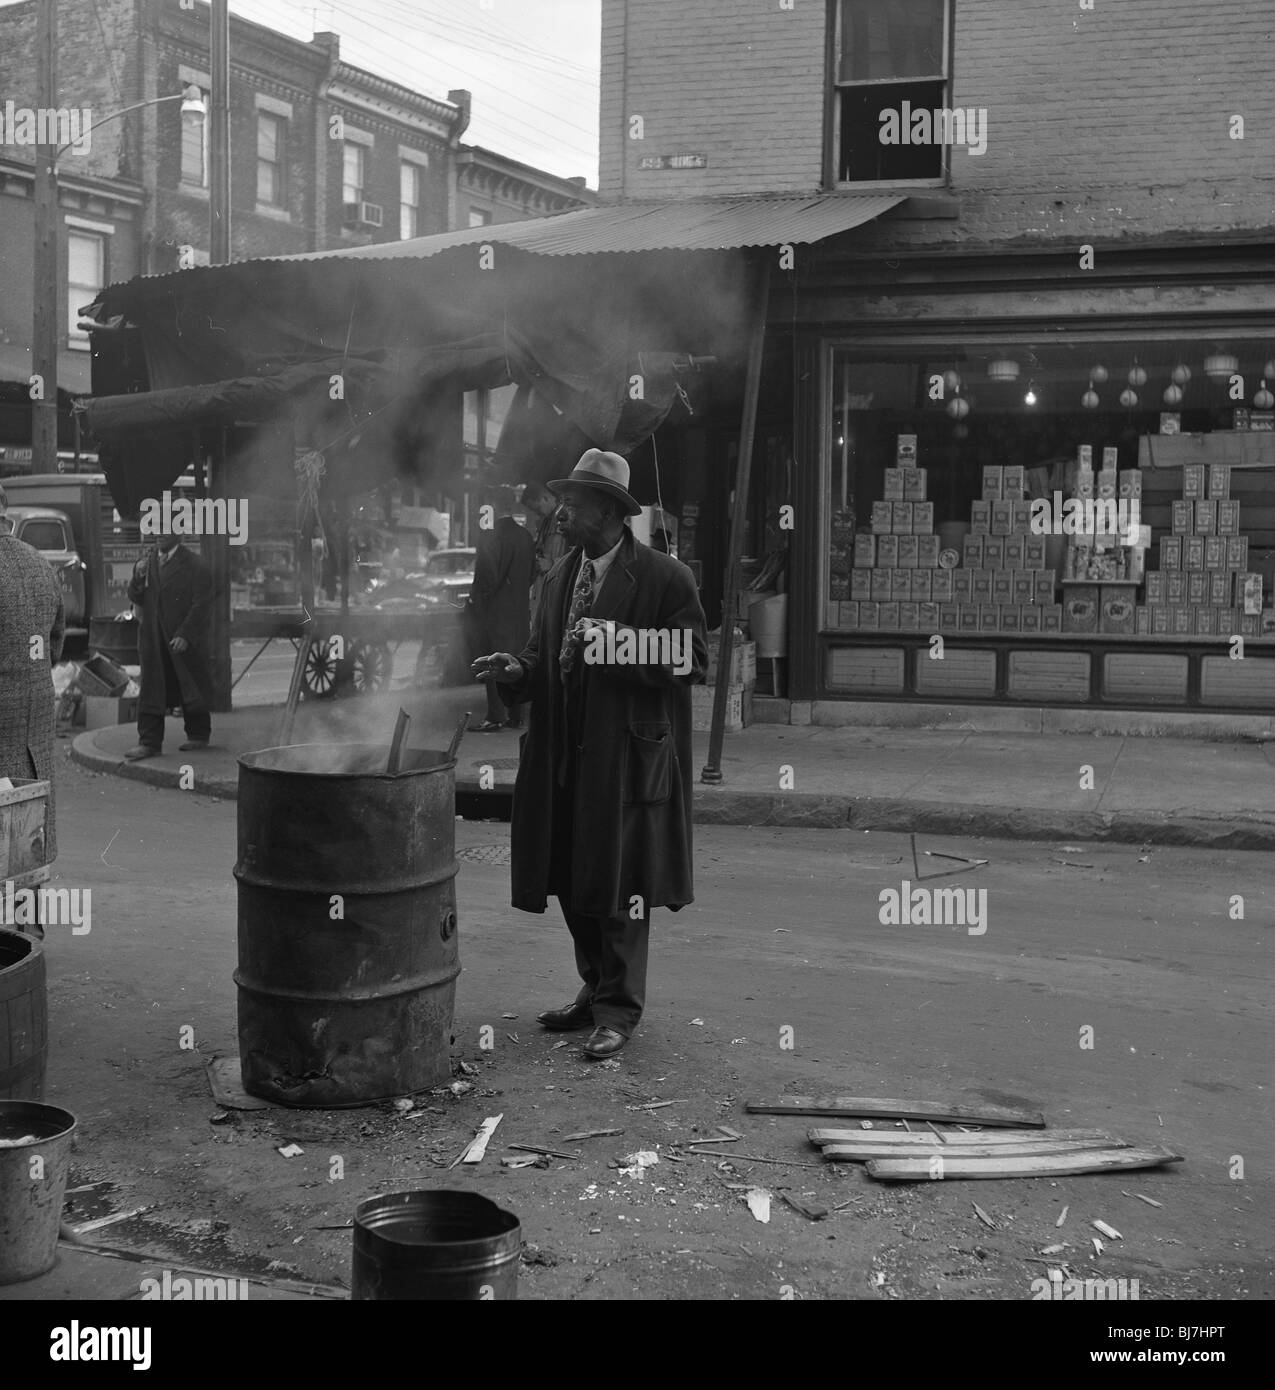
{"x":887,"y":552}
{"x":941,"y":582}
{"x":1219,"y":481}
{"x":927,"y":551}
{"x":900,"y":585}
{"x":865,"y":551}
{"x":1194,"y":477}
{"x":994,"y":552}
{"x":980,"y":518}
{"x":1214,"y":552}
{"x":902,"y":521}
{"x":949,"y":616}
{"x":928,"y":618}
{"x":972,"y":550}
{"x":1010,"y":617}
{"x":1013,"y":482}
{"x":1013,"y":552}
{"x":1237,"y":552}
{"x":1002,"y":517}
{"x":1154,"y":588}
{"x":1044,"y":586}
{"x":1142,"y":620}
{"x":888,"y":620}
{"x":1228,"y":517}
{"x":892,"y":489}
{"x":914,"y":484}
{"x":849,"y":616}
{"x":922,"y":517}
{"x":1205,"y":518}
{"x":882,"y":518}
{"x":1024,"y":586}
{"x":1171,"y":552}
{"x":1031,"y":619}
{"x":968,"y":617}
{"x":861,"y":584}
{"x":1221,"y":588}
{"x":869,"y":617}
{"x":993,"y":482}
{"x":922,"y":585}
{"x":1248,"y":593}
{"x":880,"y":585}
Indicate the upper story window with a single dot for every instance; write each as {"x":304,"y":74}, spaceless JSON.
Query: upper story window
{"x":272,"y":150}
{"x":409,"y":200}
{"x":891,"y":65}
{"x":195,"y":147}
{"x":353,"y":172}
{"x":85,"y":278}
{"x":479,"y":217}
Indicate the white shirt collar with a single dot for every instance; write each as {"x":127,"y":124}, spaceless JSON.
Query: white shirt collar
{"x":601,"y":564}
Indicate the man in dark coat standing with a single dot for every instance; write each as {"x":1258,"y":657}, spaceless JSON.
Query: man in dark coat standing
{"x":32,"y":623}
{"x":503,"y":570}
{"x":173,"y":590}
{"x":602,"y":802}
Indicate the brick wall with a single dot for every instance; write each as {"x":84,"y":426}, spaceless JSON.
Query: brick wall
{"x":1104,"y":123}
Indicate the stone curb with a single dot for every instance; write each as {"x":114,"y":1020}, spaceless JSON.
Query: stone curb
{"x":721,"y":806}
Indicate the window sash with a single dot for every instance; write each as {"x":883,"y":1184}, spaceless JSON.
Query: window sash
{"x":873,"y":15}
{"x":352,"y":173}
{"x":194,"y":148}
{"x":85,"y":276}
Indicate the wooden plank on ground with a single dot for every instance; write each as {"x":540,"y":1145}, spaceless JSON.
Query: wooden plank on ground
{"x":1030,"y":1166}
{"x":990,"y":1139}
{"x":853,"y":1107}
{"x":860,"y":1153}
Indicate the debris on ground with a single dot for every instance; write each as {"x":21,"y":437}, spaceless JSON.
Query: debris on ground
{"x":590,"y":1134}
{"x":984,"y":1218}
{"x":1150,"y":1201}
{"x":404,"y":1103}
{"x":1109,"y":1231}
{"x":855,"y":1107}
{"x":469,"y":1069}
{"x":810,"y":1210}
{"x":758,"y":1200}
{"x":460,"y":1088}
{"x":478,"y":1147}
{"x":291,"y":1150}
{"x":1062,"y":1216}
{"x":634,"y":1165}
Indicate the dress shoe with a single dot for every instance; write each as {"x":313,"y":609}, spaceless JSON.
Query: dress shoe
{"x":567,"y":1020}
{"x":194,"y":745}
{"x":603,"y":1042}
{"x":135,"y":755}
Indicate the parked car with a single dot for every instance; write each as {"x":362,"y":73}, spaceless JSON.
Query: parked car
{"x":447,"y":579}
{"x":49,"y":531}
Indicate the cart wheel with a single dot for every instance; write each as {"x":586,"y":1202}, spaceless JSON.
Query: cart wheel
{"x":370,"y":665}
{"x":319,"y":678}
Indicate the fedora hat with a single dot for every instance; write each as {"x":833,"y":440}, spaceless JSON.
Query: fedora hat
{"x":608,"y":473}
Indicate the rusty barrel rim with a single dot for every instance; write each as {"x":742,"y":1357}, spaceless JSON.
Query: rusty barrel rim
{"x":254,"y":761}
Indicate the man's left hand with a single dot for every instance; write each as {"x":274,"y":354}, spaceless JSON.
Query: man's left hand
{"x":179,"y":645}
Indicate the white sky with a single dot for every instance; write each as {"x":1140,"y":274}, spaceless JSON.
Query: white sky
{"x":532,"y":65}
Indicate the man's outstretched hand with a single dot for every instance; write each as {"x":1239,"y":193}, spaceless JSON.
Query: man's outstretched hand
{"x":499,"y":666}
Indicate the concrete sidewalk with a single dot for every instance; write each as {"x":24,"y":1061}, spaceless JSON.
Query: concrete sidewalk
{"x":949,"y":781}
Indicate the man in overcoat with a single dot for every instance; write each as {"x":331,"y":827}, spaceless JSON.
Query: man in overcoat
{"x":172,"y":589}
{"x":32,"y":624}
{"x":503,"y":570}
{"x":602,"y":801}
{"x":550,"y":545}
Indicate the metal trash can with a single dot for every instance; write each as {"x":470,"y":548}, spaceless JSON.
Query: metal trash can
{"x":32,"y":1185}
{"x":442,"y":1245}
{"x":348,"y":951}
{"x":24,"y":1021}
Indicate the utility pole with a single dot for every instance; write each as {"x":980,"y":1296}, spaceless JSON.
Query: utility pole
{"x":219,"y":135}
{"x":45,"y":327}
{"x":216,"y":549}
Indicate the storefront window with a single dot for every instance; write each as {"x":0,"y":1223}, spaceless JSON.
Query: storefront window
{"x":1106,"y":488}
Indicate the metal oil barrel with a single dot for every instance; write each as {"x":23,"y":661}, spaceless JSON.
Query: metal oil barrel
{"x":348,"y":952}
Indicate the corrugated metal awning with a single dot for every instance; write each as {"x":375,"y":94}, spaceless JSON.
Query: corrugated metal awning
{"x":693,"y":224}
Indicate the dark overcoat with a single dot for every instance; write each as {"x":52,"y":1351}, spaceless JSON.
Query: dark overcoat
{"x":30,"y":606}
{"x":631,"y":797}
{"x":503,"y":570}
{"x":175,"y":601}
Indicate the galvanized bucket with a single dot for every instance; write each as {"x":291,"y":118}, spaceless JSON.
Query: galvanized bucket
{"x":347,"y":923}
{"x":442,"y":1245}
{"x":32,"y":1185}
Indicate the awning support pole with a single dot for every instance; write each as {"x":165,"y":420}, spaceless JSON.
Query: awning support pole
{"x":712,"y":771}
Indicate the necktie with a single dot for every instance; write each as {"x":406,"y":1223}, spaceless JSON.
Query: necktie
{"x":581,"y":602}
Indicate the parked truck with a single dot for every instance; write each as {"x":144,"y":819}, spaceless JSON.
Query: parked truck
{"x":72,"y":520}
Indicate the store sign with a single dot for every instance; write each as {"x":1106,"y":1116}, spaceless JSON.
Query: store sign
{"x":673,"y":161}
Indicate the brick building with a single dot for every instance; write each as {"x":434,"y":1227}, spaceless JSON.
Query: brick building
{"x":1073,"y":249}
{"x":323,"y":155}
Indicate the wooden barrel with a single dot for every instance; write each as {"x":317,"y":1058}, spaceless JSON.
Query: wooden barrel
{"x":347,"y":923}
{"x":24,"y":1022}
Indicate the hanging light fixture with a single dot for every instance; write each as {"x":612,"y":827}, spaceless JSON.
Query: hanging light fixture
{"x":1182,"y":374}
{"x":1030,"y":398}
{"x":952,"y":382}
{"x":1098,"y":375}
{"x":1137,"y":374}
{"x":1128,"y":398}
{"x":1090,"y":399}
{"x":1220,"y":365}
{"x":1262,"y":397}
{"x":1268,"y":371}
{"x":1173,"y":394}
{"x":1002,"y":369}
{"x":958,"y":407}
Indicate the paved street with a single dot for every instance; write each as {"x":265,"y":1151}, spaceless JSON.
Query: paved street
{"x":1135,"y":944}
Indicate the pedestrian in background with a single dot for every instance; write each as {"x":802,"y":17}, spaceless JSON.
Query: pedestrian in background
{"x":32,"y":622}
{"x":602,"y":802}
{"x":550,"y":544}
{"x":172,"y":590}
{"x":498,"y":601}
